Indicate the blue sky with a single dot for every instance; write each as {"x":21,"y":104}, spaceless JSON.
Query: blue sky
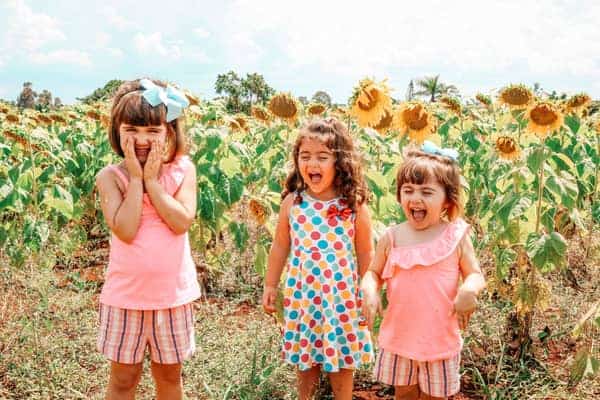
{"x":72,"y":47}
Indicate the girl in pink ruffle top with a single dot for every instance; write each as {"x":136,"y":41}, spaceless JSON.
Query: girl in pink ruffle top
{"x":421,"y":261}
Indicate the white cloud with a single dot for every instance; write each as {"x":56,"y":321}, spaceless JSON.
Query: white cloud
{"x":201,"y":33}
{"x":117,"y":20}
{"x":28,"y":30}
{"x":152,"y":44}
{"x":114,"y":51}
{"x":102,"y":39}
{"x":62,"y":56}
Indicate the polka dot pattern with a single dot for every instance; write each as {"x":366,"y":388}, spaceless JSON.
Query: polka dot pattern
{"x":321,"y":295}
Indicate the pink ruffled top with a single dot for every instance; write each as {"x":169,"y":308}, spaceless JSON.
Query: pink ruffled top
{"x":156,"y":270}
{"x":422,"y":282}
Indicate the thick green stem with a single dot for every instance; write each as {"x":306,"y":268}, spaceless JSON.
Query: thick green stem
{"x":538,"y":212}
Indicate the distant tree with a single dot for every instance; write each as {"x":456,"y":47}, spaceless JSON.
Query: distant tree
{"x":256,"y":89}
{"x":410,"y":91}
{"x":303,"y":100}
{"x":57,"y":102}
{"x":240,"y":94}
{"x":27,"y":96}
{"x":103,"y":93}
{"x":44,"y":100}
{"x":432,"y":87}
{"x":230,"y":85}
{"x":321,"y":97}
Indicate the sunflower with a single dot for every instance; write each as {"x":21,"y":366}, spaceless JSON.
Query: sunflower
{"x":44,"y":119}
{"x":284,"y":106}
{"x":507,"y":147}
{"x":4,"y":109}
{"x":58,"y":118}
{"x":577,"y":103}
{"x":193,"y":100}
{"x":13,"y":118}
{"x":370,"y":101}
{"x":238,"y":123}
{"x":385,"y":123}
{"x":259,"y":211}
{"x":93,"y":115}
{"x":260,"y":113}
{"x":451,"y":104}
{"x":516,"y":96}
{"x":544,"y":117}
{"x":414,"y":118}
{"x":483,"y":99}
{"x":316,"y":109}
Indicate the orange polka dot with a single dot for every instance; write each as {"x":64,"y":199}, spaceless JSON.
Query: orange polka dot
{"x":317,"y":285}
{"x":348,"y":327}
{"x":331,"y":236}
{"x":295,"y":304}
{"x":288,"y":292}
{"x":306,"y":242}
{"x":345,"y":295}
{"x":354,"y":346}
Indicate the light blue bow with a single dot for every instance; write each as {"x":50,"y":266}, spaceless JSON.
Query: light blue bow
{"x":432,"y":148}
{"x":173,"y":99}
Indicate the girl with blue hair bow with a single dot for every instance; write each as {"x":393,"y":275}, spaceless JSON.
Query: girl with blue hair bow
{"x":149,"y":203}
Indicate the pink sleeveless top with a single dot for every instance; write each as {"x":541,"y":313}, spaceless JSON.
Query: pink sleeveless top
{"x":156,"y":270}
{"x":422,"y":282}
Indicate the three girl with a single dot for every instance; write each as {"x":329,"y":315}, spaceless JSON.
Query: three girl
{"x":149,"y":203}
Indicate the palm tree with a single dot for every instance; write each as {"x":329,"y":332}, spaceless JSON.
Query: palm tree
{"x":433,"y":88}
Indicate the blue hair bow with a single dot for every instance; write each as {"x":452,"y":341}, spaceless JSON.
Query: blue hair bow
{"x":173,"y":99}
{"x":432,"y":148}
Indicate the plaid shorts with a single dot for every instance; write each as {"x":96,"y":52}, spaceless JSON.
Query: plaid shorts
{"x":439,"y":378}
{"x":124,"y":334}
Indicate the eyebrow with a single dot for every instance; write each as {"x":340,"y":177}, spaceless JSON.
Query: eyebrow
{"x":318,"y":152}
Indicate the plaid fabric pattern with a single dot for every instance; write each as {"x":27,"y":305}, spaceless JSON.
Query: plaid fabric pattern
{"x":439,"y":378}
{"x":124,"y":334}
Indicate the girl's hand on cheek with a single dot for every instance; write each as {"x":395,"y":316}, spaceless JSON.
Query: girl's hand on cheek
{"x":131,"y":162}
{"x":154,"y":162}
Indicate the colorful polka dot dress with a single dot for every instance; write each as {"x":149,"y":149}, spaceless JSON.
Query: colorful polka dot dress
{"x":321,"y":296}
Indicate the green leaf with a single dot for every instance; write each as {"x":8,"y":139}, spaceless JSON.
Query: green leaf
{"x":240,"y":234}
{"x":596,"y":212}
{"x":230,"y":190}
{"x":546,"y":251}
{"x":535,"y":159}
{"x":60,"y":200}
{"x":548,"y":218}
{"x":505,"y":258}
{"x":260,"y":259}
{"x":579,"y":366}
{"x":573,"y":122}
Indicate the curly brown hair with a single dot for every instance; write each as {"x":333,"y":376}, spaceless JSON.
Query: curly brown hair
{"x":349,"y":181}
{"x":420,"y":167}
{"x":130,"y":107}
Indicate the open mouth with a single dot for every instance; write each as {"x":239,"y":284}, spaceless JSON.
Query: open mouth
{"x":418,"y":214}
{"x":315,"y":178}
{"x":142,"y":152}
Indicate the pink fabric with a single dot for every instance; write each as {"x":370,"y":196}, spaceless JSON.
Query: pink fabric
{"x":422,"y":282}
{"x":156,"y":270}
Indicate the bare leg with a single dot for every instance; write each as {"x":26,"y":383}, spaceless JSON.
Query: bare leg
{"x":167,"y":377}
{"x":342,"y":384}
{"x":425,"y":396}
{"x":123,"y":381}
{"x":307,"y":382}
{"x":411,"y":392}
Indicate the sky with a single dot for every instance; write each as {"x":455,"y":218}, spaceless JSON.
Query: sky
{"x":72,"y":47}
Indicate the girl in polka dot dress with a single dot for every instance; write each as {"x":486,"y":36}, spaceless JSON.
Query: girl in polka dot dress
{"x":323,"y":222}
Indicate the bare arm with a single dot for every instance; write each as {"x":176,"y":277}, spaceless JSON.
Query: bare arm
{"x":473,"y":282}
{"x":177,"y":211}
{"x":122,"y":213}
{"x":363,"y":239}
{"x":280,"y":250}
{"x":371,"y":282}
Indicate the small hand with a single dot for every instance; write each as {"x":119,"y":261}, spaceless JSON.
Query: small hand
{"x":131,"y":161}
{"x":465,"y":304}
{"x":370,"y":308}
{"x":269,"y":298}
{"x":154,"y":162}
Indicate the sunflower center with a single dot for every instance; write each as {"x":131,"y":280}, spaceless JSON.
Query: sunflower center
{"x":415,"y":118}
{"x":516,"y":96}
{"x":543,"y":115}
{"x":369,"y":99}
{"x":506,"y":144}
{"x":385,"y":122}
{"x":283,"y":107}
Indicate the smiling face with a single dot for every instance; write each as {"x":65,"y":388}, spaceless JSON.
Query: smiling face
{"x":143,"y":135}
{"x":316,"y":163}
{"x":423,"y":204}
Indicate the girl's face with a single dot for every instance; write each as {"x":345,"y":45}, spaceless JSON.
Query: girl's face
{"x":423,"y":204}
{"x":316,"y":163}
{"x":143,"y":136}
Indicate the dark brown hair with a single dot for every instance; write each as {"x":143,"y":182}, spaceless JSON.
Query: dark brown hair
{"x":130,"y":107}
{"x":349,"y":181}
{"x":420,"y":167}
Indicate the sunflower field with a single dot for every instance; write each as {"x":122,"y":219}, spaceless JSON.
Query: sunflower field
{"x":530,"y":165}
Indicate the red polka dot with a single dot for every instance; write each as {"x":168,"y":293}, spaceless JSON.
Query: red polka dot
{"x":297,"y":243}
{"x":299,"y":285}
{"x":342,"y":285}
{"x":318,"y":206}
{"x":330,"y":352}
{"x":349,"y":304}
{"x":326,"y":289}
{"x":304,"y":343}
{"x":344,"y":318}
{"x":286,"y":302}
{"x":317,"y":300}
{"x":350,"y":232}
{"x":304,"y":358}
{"x":302,"y":219}
{"x":351,"y":337}
{"x":360,"y":345}
{"x":358,"y":303}
{"x":301,"y":312}
{"x":338,"y":245}
{"x":349,"y":360}
{"x":315,"y":235}
{"x":316,"y":256}
{"x":312,"y":323}
{"x":343,"y":262}
{"x":332,"y":222}
{"x":314,"y":249}
{"x":287,"y":345}
{"x":327,"y":273}
{"x":318,"y":343}
{"x":310,"y":279}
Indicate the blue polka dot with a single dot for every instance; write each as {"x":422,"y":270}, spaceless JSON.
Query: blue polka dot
{"x":313,"y":338}
{"x":295,"y":358}
{"x":316,"y":271}
{"x":317,"y":220}
{"x":345,"y":350}
{"x":331,"y":336}
{"x":296,"y":262}
{"x":296,"y":226}
{"x":302,"y":327}
{"x":311,"y":308}
{"x":291,"y":282}
{"x":342,"y":340}
{"x":356,"y":357}
{"x":323,"y":245}
{"x":323,"y":228}
{"x":319,"y":358}
{"x":304,"y":204}
{"x":293,"y":314}
{"x":289,"y":335}
{"x":338,"y":276}
{"x":317,"y":315}
{"x":301,"y":234}
{"x":311,"y":294}
{"x":339,"y":331}
{"x":310,"y":212}
{"x":334,"y":322}
{"x":339,"y":230}
{"x":367,"y":347}
{"x":340,"y":308}
{"x":328,"y":313}
{"x":328,"y":367}
{"x":330,"y":257}
{"x":325,"y":305}
{"x":297,"y":294}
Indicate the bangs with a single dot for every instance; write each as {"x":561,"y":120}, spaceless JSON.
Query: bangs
{"x":416,"y":171}
{"x":133,"y":109}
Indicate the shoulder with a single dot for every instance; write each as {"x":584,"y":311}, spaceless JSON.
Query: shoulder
{"x":287,"y":202}
{"x":106,"y":174}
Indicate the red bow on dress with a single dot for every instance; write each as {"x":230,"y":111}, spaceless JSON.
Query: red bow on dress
{"x":343,"y":213}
